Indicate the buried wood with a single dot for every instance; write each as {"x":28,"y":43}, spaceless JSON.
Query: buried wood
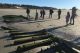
{"x":31,"y":46}
{"x":31,"y":39}
{"x":41,"y":32}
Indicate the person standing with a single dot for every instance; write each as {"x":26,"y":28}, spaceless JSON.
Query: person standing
{"x":59,"y":13}
{"x":36,"y":16}
{"x":73,"y":15}
{"x":50,"y":13}
{"x":67,"y":18}
{"x":43,"y":13}
{"x":28,"y":13}
{"x":40,"y":13}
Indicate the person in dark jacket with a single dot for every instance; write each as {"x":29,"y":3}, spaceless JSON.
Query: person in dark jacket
{"x":28,"y":13}
{"x":67,"y":18}
{"x":59,"y":13}
{"x":43,"y":13}
{"x":36,"y":16}
{"x":50,"y":13}
{"x":73,"y":15}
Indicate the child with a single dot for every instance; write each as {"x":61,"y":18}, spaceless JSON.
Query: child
{"x":67,"y":18}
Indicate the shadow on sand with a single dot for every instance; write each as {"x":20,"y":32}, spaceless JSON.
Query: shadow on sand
{"x":34,"y":32}
{"x":4,"y":37}
{"x":9,"y":45}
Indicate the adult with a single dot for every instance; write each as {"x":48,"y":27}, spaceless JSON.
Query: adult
{"x":36,"y":16}
{"x":73,"y":15}
{"x":50,"y":13}
{"x":40,"y":13}
{"x":28,"y":13}
{"x":59,"y":13}
{"x":43,"y":13}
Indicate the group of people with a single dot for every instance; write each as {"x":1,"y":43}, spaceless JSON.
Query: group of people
{"x":42,"y":15}
{"x":72,"y":17}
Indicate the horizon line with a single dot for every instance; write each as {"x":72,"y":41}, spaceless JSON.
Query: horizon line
{"x":36,"y":5}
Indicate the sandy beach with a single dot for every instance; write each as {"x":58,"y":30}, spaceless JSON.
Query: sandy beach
{"x":70,"y":32}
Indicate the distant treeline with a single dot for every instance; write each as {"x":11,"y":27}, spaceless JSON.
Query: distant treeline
{"x":5,"y":5}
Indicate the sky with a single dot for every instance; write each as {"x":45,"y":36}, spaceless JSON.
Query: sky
{"x":66,"y":4}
